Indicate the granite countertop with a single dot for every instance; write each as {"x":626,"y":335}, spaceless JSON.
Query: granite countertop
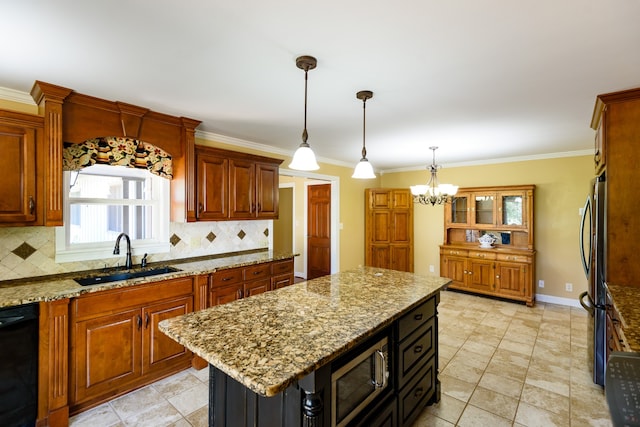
{"x":625,"y":300}
{"x":270,"y":340}
{"x":28,"y":290}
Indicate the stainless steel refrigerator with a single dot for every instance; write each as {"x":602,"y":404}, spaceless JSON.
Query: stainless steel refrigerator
{"x":593,"y":254}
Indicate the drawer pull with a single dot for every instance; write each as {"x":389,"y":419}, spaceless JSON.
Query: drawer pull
{"x":255,"y":273}
{"x":418,"y":393}
{"x":226,"y":279}
{"x":418,"y":316}
{"x":417,"y":349}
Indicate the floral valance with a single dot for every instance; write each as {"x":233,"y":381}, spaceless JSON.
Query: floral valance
{"x":117,"y":151}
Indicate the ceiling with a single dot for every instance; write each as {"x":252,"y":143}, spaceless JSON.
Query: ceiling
{"x":482,"y":80}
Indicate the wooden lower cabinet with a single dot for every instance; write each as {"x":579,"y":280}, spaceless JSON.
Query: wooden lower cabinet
{"x":489,"y":272}
{"x":241,"y":282}
{"x":116,"y":344}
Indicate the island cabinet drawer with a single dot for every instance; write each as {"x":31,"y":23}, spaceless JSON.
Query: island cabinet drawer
{"x":416,"y":317}
{"x":414,"y":351}
{"x":260,"y":271}
{"x":115,"y":300}
{"x":413,"y":398}
{"x":282,"y":267}
{"x":482,"y":255}
{"x":514,"y":258}
{"x":227,"y":277}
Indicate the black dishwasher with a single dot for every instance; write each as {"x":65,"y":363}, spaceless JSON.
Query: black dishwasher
{"x":19,"y":365}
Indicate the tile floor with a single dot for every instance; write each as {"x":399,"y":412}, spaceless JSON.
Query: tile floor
{"x":501,"y":364}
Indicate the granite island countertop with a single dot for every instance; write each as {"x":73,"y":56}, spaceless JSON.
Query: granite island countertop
{"x":268,"y":341}
{"x":28,"y":290}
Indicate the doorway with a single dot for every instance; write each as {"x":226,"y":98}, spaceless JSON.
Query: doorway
{"x":318,"y":230}
{"x":300,"y":181}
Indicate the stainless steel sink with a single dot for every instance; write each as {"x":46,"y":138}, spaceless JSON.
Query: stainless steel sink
{"x":124,"y":275}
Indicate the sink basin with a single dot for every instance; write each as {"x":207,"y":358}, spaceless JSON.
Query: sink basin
{"x":124,"y":275}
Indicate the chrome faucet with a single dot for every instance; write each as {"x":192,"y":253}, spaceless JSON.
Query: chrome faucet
{"x":116,"y":249}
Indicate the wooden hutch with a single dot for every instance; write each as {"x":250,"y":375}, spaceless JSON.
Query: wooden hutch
{"x":505,"y":270}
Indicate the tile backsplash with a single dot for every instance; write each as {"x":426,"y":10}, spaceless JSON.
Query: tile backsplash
{"x":30,"y":251}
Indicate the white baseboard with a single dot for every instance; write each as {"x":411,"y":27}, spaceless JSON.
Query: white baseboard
{"x":300,"y":274}
{"x":572,"y":302}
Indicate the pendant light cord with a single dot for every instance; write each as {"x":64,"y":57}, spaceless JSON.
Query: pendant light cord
{"x":364,"y":127}
{"x":305,"y":135}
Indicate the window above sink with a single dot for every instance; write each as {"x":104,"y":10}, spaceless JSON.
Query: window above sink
{"x":101,"y":201}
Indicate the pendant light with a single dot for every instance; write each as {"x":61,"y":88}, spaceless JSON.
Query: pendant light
{"x":363,"y":169}
{"x":303,"y":158}
{"x":433,"y":193}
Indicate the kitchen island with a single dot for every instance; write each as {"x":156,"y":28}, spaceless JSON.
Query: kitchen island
{"x":272,"y":356}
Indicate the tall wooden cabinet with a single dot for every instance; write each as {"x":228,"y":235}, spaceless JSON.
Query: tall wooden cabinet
{"x":616,"y":119}
{"x":505,"y":270}
{"x":389,"y":228}
{"x":22,"y":185}
{"x":234,"y":186}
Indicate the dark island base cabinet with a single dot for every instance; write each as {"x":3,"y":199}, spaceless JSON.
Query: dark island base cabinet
{"x":413,"y":384}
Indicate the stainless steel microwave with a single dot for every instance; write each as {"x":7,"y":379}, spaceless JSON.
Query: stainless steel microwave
{"x":355,"y":384}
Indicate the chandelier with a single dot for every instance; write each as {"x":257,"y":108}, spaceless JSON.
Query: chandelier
{"x":433,"y":193}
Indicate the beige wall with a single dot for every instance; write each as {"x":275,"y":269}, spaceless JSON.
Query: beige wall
{"x":562,"y":185}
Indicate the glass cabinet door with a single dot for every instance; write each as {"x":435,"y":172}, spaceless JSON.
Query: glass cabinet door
{"x":459,"y":213}
{"x":483,"y":209}
{"x":512,"y":210}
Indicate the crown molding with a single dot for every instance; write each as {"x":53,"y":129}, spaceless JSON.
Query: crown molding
{"x":16,"y":96}
{"x":546,"y":156}
{"x":237,"y":142}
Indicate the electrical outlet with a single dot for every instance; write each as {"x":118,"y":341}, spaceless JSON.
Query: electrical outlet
{"x":432,"y":269}
{"x":541,"y":283}
{"x":568,"y":287}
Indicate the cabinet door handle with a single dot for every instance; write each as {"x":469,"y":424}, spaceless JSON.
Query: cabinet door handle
{"x":32,"y":205}
{"x":239,"y":293}
{"x":497,"y":276}
{"x":146,"y":321}
{"x":139,"y":321}
{"x":417,"y":349}
{"x":200,"y":208}
{"x":418,"y":316}
{"x":419,"y":391}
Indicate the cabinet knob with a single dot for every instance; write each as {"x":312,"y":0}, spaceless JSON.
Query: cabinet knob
{"x":417,"y":349}
{"x":200,"y":208}
{"x":32,"y":205}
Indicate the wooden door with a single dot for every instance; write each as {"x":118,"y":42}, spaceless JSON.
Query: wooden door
{"x":158,"y":350}
{"x":18,"y":165}
{"x":213,"y":187}
{"x":319,"y":230}
{"x":242,"y":184}
{"x":267,"y":191}
{"x":106,"y":354}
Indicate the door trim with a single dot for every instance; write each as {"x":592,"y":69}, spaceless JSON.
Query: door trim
{"x":335,"y":215}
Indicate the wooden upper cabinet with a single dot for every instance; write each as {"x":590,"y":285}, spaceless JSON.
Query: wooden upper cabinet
{"x":267,"y":190}
{"x":213,"y":187}
{"x":235,"y":186}
{"x":616,"y":121}
{"x":242,"y":183}
{"x":22,"y":186}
